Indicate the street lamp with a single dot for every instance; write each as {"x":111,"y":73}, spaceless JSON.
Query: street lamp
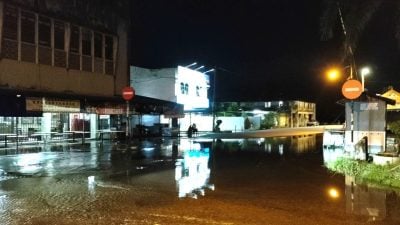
{"x":364,"y":71}
{"x":333,"y":74}
{"x":198,"y":68}
{"x":211,"y":70}
{"x":190,"y":65}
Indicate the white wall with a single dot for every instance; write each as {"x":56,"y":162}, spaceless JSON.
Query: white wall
{"x":154,"y":83}
{"x":231,"y":123}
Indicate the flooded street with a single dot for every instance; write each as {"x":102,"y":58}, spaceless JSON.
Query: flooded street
{"x":186,"y":181}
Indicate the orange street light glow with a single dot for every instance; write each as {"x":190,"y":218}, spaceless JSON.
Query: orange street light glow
{"x":333,"y":74}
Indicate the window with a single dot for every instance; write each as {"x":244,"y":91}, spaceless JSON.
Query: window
{"x":10,"y":25}
{"x":59,"y":32}
{"x":98,"y":45}
{"x":86,"y":42}
{"x":182,"y":88}
{"x":109,"y":47}
{"x":198,"y":91}
{"x":186,"y":88}
{"x":44,"y":31}
{"x":74,"y":44}
{"x":28,"y":27}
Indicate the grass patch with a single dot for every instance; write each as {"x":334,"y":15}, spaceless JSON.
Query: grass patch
{"x":383,"y":175}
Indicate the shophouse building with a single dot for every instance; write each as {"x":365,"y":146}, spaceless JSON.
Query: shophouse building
{"x":62,"y":69}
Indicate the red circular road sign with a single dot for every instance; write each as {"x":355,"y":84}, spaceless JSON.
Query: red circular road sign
{"x":352,"y":89}
{"x":128,"y":93}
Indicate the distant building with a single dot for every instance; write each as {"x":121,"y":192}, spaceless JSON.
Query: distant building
{"x":287,"y":113}
{"x":393,"y":111}
{"x":392,"y":94}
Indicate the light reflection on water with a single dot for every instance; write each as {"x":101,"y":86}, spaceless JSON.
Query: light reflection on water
{"x":362,"y":198}
{"x":192,"y":173}
{"x":376,"y":203}
{"x":186,"y":167}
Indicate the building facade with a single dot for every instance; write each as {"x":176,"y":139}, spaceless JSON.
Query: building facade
{"x":63,"y":66}
{"x":181,"y":85}
{"x":252,"y":115}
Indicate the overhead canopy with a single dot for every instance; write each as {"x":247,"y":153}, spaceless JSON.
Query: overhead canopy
{"x":14,"y":103}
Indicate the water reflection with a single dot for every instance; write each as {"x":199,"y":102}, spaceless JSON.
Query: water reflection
{"x":376,"y":203}
{"x":277,"y":145}
{"x":262,"y":178}
{"x":192,"y":173}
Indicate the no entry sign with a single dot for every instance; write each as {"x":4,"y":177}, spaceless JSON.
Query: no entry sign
{"x":352,"y":89}
{"x":128,"y":93}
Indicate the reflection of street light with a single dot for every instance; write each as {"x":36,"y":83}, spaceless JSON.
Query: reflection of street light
{"x":364,"y":71}
{"x":333,"y":193}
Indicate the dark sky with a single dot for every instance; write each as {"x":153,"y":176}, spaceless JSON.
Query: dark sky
{"x":263,"y":50}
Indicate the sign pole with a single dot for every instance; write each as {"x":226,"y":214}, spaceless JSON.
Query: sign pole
{"x":127,"y":93}
{"x":127,"y":120}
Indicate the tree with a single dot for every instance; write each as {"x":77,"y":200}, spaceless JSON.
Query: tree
{"x":269,"y":120}
{"x":353,"y":16}
{"x":247,"y":123}
{"x":394,"y":127}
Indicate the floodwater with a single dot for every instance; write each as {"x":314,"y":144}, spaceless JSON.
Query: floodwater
{"x":186,"y":181}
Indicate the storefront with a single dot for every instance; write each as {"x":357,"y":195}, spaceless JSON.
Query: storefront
{"x":87,"y":116}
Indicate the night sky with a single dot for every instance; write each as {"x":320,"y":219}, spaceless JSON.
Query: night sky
{"x":263,"y":50}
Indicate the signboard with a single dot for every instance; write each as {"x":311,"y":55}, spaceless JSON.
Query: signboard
{"x":128,"y":93}
{"x":107,"y":110}
{"x":352,"y":89}
{"x":52,"y":105}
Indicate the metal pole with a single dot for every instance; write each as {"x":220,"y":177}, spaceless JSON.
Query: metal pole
{"x":127,"y":120}
{"x":352,"y":121}
{"x":362,"y":82}
{"x":213,"y":103}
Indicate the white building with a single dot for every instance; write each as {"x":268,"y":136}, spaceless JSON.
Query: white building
{"x":180,"y":85}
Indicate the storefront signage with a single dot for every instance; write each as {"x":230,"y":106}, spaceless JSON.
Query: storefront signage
{"x":52,"y":105}
{"x":107,"y":110}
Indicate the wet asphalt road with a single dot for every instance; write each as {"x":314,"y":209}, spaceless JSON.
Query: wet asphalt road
{"x":162,"y":181}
